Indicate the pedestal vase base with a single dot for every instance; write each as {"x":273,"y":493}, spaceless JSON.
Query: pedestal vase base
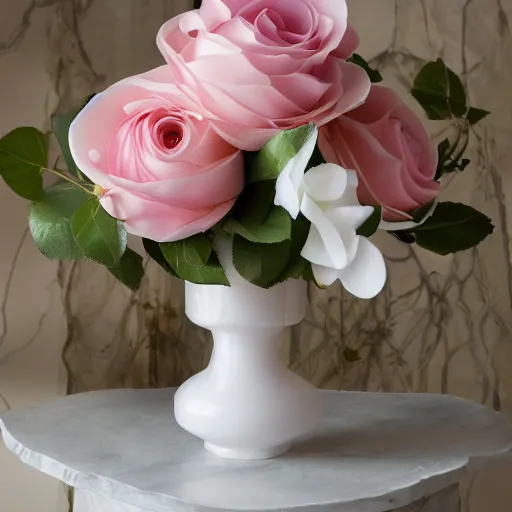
{"x":244,"y":454}
{"x":247,"y":404}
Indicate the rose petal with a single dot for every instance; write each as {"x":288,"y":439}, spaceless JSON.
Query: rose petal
{"x":415,"y":180}
{"x":171,"y":40}
{"x":223,"y":181}
{"x":192,"y":22}
{"x":279,"y":64}
{"x":307,"y":89}
{"x":356,"y":87}
{"x":245,"y":137}
{"x":209,"y":45}
{"x":348,"y":44}
{"x":380,"y":103}
{"x":102,"y":116}
{"x":227,"y":109}
{"x":214,"y":13}
{"x":288,"y":42}
{"x":215,"y":68}
{"x":276,"y":105}
{"x":158,"y":221}
{"x":378,"y":171}
{"x":207,"y":147}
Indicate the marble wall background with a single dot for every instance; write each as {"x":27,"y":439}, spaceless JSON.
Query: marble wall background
{"x":442,"y":325}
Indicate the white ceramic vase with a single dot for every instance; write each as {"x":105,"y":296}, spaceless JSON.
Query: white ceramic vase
{"x":247,"y":404}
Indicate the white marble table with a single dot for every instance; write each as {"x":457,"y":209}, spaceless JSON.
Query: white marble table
{"x":123,"y":452}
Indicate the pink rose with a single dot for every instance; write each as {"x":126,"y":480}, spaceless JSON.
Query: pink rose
{"x":165,"y":172}
{"x":388,"y":146}
{"x":348,"y":44}
{"x":256,"y":67}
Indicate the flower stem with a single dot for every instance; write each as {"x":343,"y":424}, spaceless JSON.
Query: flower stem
{"x":67,"y":178}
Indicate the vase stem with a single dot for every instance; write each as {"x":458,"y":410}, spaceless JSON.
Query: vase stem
{"x":253,"y":352}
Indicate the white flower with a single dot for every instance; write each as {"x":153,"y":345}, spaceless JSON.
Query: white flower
{"x":333,"y":247}
{"x":288,"y":187}
{"x":326,"y":196}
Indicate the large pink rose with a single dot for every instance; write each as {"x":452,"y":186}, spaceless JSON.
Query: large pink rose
{"x":388,"y":146}
{"x":165,"y":172}
{"x":255,"y":67}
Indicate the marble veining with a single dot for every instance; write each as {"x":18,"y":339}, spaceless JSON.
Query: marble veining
{"x":442,"y":325}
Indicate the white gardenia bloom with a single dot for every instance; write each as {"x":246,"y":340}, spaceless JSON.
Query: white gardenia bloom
{"x":327,"y":196}
{"x":290,"y":180}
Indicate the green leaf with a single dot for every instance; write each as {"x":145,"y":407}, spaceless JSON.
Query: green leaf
{"x":260,"y":264}
{"x":307,"y":274}
{"x":211,"y":272}
{"x":464,"y":163}
{"x":374,"y":75}
{"x":404,"y":236}
{"x":197,"y":250}
{"x":440,"y":91}
{"x":420,"y":213}
{"x":475,"y":115}
{"x":372,"y":223}
{"x":256,"y":218}
{"x":443,"y":152}
{"x":60,"y":126}
{"x":443,"y":149}
{"x":456,"y":165}
{"x":129,"y":270}
{"x":277,"y":227}
{"x":255,"y":201}
{"x":270,"y":161}
{"x":23,"y":154}
{"x":155,"y":253}
{"x":100,"y":236}
{"x":450,"y":155}
{"x":297,"y":266}
{"x":50,"y":221}
{"x":452,"y":228}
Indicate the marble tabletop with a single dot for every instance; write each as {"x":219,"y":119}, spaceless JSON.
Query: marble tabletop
{"x":371,"y":453}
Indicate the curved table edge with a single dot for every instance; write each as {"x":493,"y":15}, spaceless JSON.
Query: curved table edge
{"x":112,"y":489}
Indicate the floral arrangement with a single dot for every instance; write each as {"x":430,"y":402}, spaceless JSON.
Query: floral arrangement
{"x":263,"y":127}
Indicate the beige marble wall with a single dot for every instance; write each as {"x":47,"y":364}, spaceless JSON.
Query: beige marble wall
{"x":442,"y":325}
{"x":52,"y":54}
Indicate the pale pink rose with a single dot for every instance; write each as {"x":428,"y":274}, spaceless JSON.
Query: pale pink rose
{"x":256,"y":67}
{"x":388,"y":146}
{"x":348,"y":44}
{"x":166,"y":173}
